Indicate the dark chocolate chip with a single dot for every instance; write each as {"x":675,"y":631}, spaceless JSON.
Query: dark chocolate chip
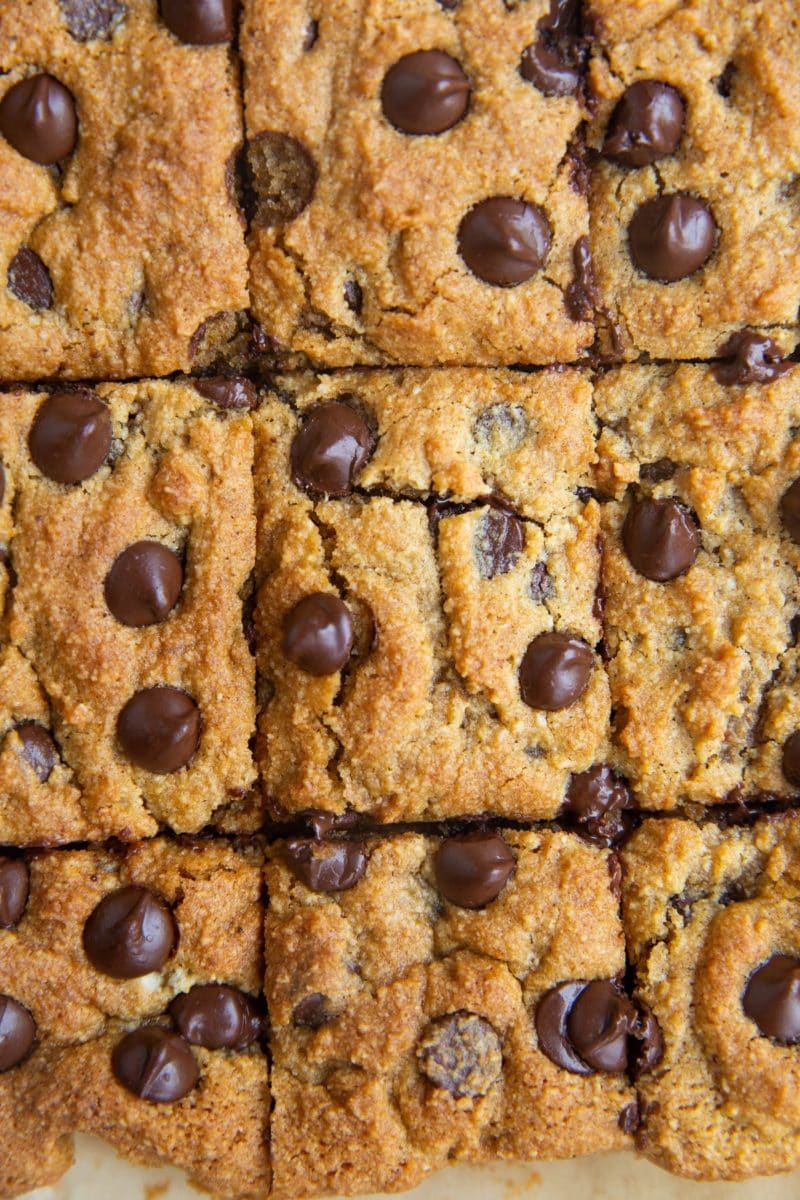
{"x":14,"y":888}
{"x":772,"y":999}
{"x":38,"y":749}
{"x":646,"y":125}
{"x":312,"y":1012}
{"x":325,"y":866}
{"x":473,"y":868}
{"x":228,"y":393}
{"x":144,"y":584}
{"x":462,"y":1054}
{"x":596,"y":803}
{"x":630,"y":1117}
{"x":499,"y":541}
{"x":552,"y":1013}
{"x":318,"y":634}
{"x":724,"y":82}
{"x":199,"y":22}
{"x":332,"y":447}
{"x":599,"y":1024}
{"x":659,"y":471}
{"x":326,"y":824}
{"x":504,"y":241}
{"x":671,"y":236}
{"x":545,"y":66}
{"x":90,"y":19}
{"x":555,"y":671}
{"x":159,"y":729}
{"x":541,"y":584}
{"x":790,"y":511}
{"x":502,"y":425}
{"x":353,"y":296}
{"x":38,"y":118}
{"x":17,"y":1033}
{"x":791,"y":759}
{"x":216,"y":1017}
{"x":310,"y":35}
{"x":749,"y":357}
{"x":647,"y":1032}
{"x":130,"y":933}
{"x":582,"y":295}
{"x":661,"y":539}
{"x":29,"y":280}
{"x":282,"y":177}
{"x":71,"y":436}
{"x":425,"y":92}
{"x":155,"y":1065}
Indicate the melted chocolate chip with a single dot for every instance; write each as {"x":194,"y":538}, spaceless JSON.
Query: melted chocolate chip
{"x":90,"y":19}
{"x":71,"y":436}
{"x":14,"y":888}
{"x":599,"y":1024}
{"x":772,"y":999}
{"x":661,"y":539}
{"x":499,"y":541}
{"x":596,"y":803}
{"x":555,"y":671}
{"x":332,"y":447}
{"x":312,"y":1012}
{"x":38,"y":749}
{"x":318,"y":634}
{"x":504,"y":241}
{"x":791,"y":759}
{"x":552,"y":1013}
{"x":790,"y":511}
{"x":159,"y":729}
{"x":217,"y":1017}
{"x":473,"y":869}
{"x":199,"y":22}
{"x":749,"y":357}
{"x":29,"y":280}
{"x":155,"y":1065}
{"x":425,"y":92}
{"x":549,"y":70}
{"x":282,"y":177}
{"x":38,"y":118}
{"x":672,"y":236}
{"x":646,"y":125}
{"x":325,"y":866}
{"x":659,"y":471}
{"x":144,"y":584}
{"x":230,"y":394}
{"x":17,"y":1033}
{"x":462,"y":1054}
{"x":582,"y":295}
{"x":130,"y":933}
{"x":647,"y":1032}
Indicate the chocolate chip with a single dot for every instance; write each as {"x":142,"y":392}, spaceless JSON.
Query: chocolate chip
{"x":629,"y":1117}
{"x":791,"y":759}
{"x":790,"y":510}
{"x":772,"y":999}
{"x":473,"y":869}
{"x":130,"y":933}
{"x":541,"y":585}
{"x":502,"y":425}
{"x":749,"y":357}
{"x":310,"y":35}
{"x":282,"y":177}
{"x":555,"y":671}
{"x":89,"y":19}
{"x":659,"y":471}
{"x":646,"y":125}
{"x":504,"y":241}
{"x":672,"y":236}
{"x":71,"y":436}
{"x":216,"y":1017}
{"x":596,"y":802}
{"x":582,"y":295}
{"x":199,"y":22}
{"x":14,"y":888}
{"x":661,"y":539}
{"x":38,"y":749}
{"x":552,"y":1013}
{"x":548,"y":70}
{"x":225,"y":341}
{"x":353,"y":296}
{"x":327,"y":824}
{"x":29,"y":280}
{"x":318,"y":634}
{"x":159,"y":729}
{"x":724,"y":82}
{"x":425,"y":92}
{"x":38,"y":118}
{"x":599,"y":1024}
{"x":144,"y":584}
{"x":325,"y":866}
{"x":17,"y":1033}
{"x":155,"y":1065}
{"x":499,"y":541}
{"x":230,"y":394}
{"x":332,"y":447}
{"x":312,"y":1012}
{"x":647,"y":1032}
{"x":462,"y":1054}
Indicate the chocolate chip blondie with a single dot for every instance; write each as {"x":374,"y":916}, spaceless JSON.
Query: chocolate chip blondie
{"x":417,"y":193}
{"x":130,"y":1008}
{"x":122,"y":249}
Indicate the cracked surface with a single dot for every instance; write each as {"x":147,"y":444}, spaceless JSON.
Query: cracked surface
{"x":386,"y":207}
{"x":693,"y":661}
{"x":353,"y":1111}
{"x":180,"y":473}
{"x":740,"y":153}
{"x":703,"y":908}
{"x":217,"y":1132}
{"x":426,"y":720}
{"x":138,"y":231}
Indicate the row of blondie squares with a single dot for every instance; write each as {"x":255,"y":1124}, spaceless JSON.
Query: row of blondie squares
{"x":415,"y":181}
{"x":400,"y":596}
{"x":396,"y":1003}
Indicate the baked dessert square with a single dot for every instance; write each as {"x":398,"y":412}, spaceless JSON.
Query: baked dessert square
{"x":130,"y":1009}
{"x":417,"y":190}
{"x":427,"y":575}
{"x":711,"y":922}
{"x":700,"y":576}
{"x":127,"y":688}
{"x":122,"y":248}
{"x":430,"y":1000}
{"x":696,"y":124}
